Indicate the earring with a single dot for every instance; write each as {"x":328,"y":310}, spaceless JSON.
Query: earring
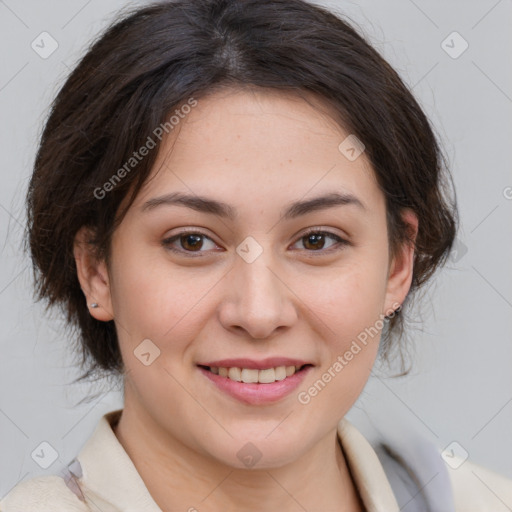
{"x":94,"y":305}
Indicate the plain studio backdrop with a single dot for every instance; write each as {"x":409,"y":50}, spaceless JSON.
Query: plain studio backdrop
{"x":455,"y":57}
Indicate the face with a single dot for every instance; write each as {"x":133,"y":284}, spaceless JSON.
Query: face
{"x":255,"y":244}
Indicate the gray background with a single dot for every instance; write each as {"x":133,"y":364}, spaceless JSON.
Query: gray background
{"x":460,"y":388}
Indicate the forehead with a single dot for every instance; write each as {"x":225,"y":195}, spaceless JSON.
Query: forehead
{"x":255,"y":146}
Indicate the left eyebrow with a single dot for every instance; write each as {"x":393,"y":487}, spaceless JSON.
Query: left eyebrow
{"x":293,"y":210}
{"x":320,"y":203}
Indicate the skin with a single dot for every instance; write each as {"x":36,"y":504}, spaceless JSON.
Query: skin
{"x":258,"y":151}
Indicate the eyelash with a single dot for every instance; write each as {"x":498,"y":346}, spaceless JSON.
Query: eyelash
{"x":341,"y":242}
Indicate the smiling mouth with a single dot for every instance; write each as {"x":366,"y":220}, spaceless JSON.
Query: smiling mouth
{"x":253,"y":376}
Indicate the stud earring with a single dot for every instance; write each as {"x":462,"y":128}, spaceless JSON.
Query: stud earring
{"x":94,"y":305}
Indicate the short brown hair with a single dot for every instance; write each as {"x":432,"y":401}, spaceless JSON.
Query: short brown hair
{"x":153,"y":60}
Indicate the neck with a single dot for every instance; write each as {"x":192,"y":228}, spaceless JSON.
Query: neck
{"x":179,"y":478}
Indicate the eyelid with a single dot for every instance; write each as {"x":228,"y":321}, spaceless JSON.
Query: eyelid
{"x":322,"y":230}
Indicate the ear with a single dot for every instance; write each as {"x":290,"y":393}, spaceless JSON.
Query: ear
{"x":93,"y":276}
{"x":401,"y":268}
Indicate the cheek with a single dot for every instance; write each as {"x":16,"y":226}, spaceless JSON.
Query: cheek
{"x":349,"y":312}
{"x":348,"y":309}
{"x":153,"y":301}
{"x":348,"y":297}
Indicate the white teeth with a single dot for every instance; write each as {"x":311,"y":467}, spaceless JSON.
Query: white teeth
{"x":280,"y":372}
{"x":266,"y":376}
{"x":249,"y":376}
{"x":235,"y":374}
{"x":253,"y":376}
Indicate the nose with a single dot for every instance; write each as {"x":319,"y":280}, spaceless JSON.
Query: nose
{"x":258,"y":302}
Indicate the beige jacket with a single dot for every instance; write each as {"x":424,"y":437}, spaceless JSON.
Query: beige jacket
{"x":103,"y":478}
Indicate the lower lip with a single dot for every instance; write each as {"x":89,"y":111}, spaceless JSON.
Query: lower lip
{"x":257,"y":394}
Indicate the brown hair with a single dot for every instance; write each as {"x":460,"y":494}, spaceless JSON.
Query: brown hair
{"x":155,"y":59}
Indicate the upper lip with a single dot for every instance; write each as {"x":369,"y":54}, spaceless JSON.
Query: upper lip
{"x":262,"y":364}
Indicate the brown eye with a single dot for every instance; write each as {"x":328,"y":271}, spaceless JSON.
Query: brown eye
{"x":314,"y":241}
{"x":321,"y":241}
{"x":189,"y":242}
{"x":192,"y":242}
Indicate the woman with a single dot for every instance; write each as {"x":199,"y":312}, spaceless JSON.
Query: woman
{"x":233,"y":201}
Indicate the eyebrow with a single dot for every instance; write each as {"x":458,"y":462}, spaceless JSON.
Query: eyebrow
{"x":293,"y":210}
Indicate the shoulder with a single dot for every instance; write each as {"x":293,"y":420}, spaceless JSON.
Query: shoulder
{"x":425,"y":477}
{"x":42,"y":494}
{"x":422,"y":474}
{"x":479,"y":489}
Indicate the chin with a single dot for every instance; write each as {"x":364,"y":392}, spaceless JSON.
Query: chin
{"x":257,"y":454}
